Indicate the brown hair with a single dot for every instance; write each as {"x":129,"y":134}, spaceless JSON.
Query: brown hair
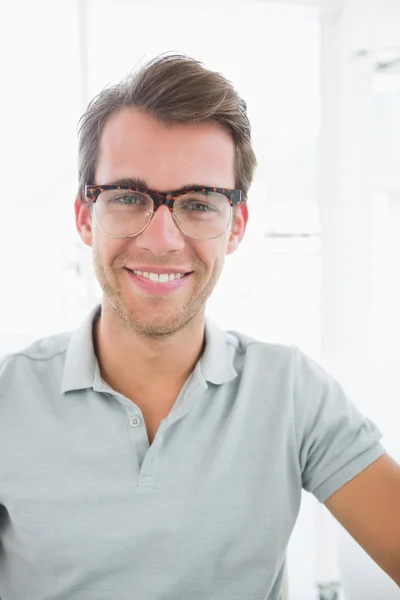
{"x":174,"y":88}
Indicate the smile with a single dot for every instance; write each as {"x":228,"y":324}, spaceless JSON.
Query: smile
{"x":159,"y":278}
{"x":158,"y":283}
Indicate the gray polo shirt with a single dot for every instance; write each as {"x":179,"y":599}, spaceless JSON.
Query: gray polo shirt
{"x":90,"y":511}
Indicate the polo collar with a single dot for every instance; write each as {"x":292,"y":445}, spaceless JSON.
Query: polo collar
{"x":215,"y":365}
{"x":81,"y":361}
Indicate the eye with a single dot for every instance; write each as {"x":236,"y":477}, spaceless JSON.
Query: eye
{"x":197,"y":202}
{"x":118,"y":199}
{"x":130,"y":198}
{"x":197,"y":206}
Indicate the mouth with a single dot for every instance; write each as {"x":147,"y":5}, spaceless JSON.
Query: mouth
{"x":155,"y":283}
{"x":159,"y":277}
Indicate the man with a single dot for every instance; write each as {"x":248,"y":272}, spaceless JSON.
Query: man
{"x":148,"y":454}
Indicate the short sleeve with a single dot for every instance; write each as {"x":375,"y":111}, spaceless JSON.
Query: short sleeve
{"x":335,"y":441}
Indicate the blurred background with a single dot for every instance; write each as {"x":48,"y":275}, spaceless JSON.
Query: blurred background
{"x":319,"y":266}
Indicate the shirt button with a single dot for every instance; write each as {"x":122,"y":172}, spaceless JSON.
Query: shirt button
{"x":135,"y":422}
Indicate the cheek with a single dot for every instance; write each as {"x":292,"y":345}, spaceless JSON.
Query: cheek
{"x":108,"y":250}
{"x":213,"y":256}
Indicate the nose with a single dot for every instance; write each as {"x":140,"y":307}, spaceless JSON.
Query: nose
{"x":162,"y":235}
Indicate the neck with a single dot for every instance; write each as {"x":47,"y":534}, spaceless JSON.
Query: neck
{"x":129,"y":361}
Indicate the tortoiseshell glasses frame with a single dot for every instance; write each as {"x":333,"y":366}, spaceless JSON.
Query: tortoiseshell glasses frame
{"x":233,"y":196}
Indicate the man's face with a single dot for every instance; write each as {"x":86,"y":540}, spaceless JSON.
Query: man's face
{"x":135,"y":145}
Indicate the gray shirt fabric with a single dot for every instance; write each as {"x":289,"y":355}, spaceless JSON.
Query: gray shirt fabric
{"x":90,"y":511}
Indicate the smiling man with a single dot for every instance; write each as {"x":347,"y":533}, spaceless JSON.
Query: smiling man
{"x":166,"y":214}
{"x":149,"y":454}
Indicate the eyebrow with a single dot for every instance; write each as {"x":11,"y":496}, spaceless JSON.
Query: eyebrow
{"x":141,"y":183}
{"x":130,"y":181}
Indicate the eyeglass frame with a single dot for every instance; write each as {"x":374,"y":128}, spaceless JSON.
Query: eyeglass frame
{"x":92,"y":192}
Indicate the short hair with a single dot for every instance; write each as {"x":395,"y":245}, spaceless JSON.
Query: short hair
{"x":173,"y":88}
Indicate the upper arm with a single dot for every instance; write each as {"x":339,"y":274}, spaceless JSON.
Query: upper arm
{"x":368,"y":507}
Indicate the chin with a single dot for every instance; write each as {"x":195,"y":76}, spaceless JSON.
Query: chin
{"x":158,"y":328}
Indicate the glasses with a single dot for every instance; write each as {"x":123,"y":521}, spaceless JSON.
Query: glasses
{"x":202,"y":213}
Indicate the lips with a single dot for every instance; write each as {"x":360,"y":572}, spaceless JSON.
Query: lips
{"x":158,"y":287}
{"x":158,"y":277}
{"x":158,"y":270}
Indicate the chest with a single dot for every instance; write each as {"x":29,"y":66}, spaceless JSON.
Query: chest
{"x":94,"y":523}
{"x":152,"y":423}
{"x":153,"y":412}
{"x":206,"y":503}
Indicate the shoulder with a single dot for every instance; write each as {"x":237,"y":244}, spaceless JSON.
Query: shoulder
{"x":254,"y":353}
{"x":286,"y":364}
{"x":39,"y":357}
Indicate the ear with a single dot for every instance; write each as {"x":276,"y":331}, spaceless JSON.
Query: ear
{"x":239,"y":227}
{"x":83,"y":221}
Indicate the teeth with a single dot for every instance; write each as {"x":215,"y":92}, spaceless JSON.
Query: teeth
{"x":163,"y":278}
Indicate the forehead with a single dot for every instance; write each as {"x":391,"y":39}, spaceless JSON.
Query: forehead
{"x":135,"y":144}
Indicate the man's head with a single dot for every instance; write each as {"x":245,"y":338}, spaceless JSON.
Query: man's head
{"x":170,"y":125}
